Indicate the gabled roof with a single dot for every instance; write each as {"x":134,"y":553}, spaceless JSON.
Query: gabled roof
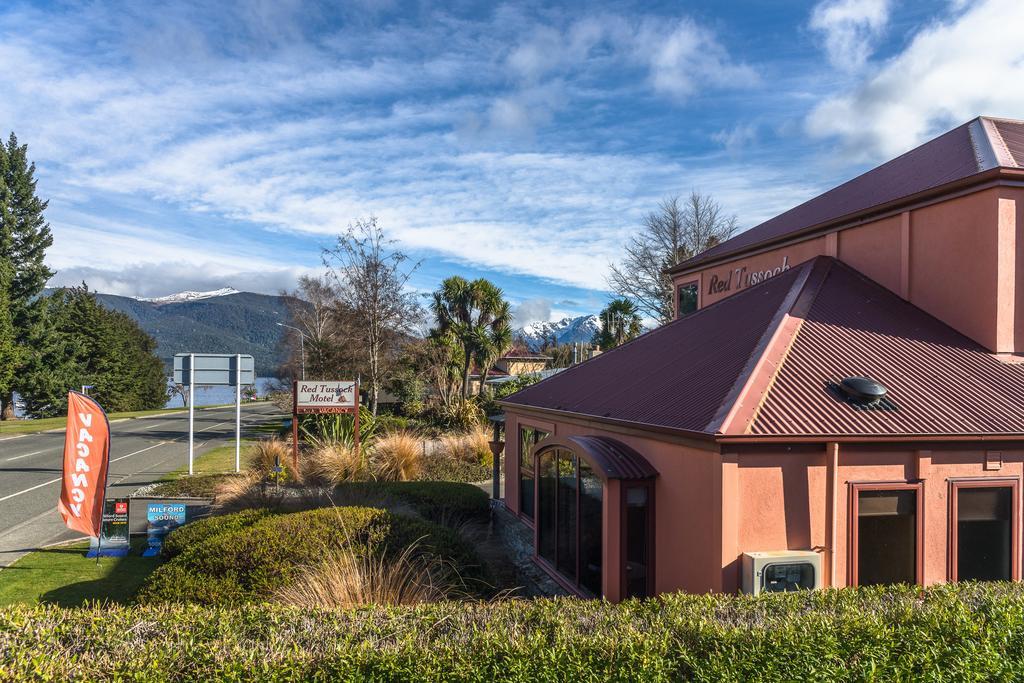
{"x":973,"y":148}
{"x":765,"y":362}
{"x":678,"y":376}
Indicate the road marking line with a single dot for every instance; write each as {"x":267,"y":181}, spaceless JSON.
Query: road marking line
{"x":12,"y":438}
{"x":220,"y":424}
{"x":19,"y":457}
{"x":54,"y":481}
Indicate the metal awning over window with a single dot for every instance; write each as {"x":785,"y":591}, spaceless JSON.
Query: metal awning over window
{"x":609,"y":457}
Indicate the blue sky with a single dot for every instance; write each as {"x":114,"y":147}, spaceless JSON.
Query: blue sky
{"x":200,"y":145}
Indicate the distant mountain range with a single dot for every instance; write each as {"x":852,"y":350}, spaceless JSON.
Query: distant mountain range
{"x":230,"y":321}
{"x":565,"y":331}
{"x":222,"y":321}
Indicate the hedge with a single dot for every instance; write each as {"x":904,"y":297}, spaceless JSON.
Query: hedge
{"x":246,"y":556}
{"x":945,"y":633}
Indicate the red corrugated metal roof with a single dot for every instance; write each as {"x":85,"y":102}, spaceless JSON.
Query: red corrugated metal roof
{"x":967,"y":150}
{"x":826,"y":322}
{"x":940,"y":382}
{"x":1012,"y":134}
{"x":678,"y":376}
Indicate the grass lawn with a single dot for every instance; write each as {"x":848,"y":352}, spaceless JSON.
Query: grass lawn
{"x":44,"y":424}
{"x":208,"y":468}
{"x":62,"y":575}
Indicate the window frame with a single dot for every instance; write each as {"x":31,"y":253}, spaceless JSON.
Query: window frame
{"x":552,"y":567}
{"x":549,"y":430}
{"x":678,"y":298}
{"x":855,"y":489}
{"x":651,"y":545}
{"x":955,"y":485}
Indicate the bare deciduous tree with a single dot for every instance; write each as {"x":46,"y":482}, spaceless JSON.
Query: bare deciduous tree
{"x":324,"y":323}
{"x":371,"y":279}
{"x":678,"y":230}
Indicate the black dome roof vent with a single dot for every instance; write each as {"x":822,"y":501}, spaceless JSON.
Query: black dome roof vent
{"x":862,"y":389}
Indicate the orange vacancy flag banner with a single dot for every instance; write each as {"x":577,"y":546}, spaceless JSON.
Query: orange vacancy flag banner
{"x":86,"y":456}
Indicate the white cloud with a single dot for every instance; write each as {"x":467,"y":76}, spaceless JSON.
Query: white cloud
{"x":850,"y":29}
{"x":531,"y":310}
{"x":303,"y":141}
{"x":952,"y":71}
{"x":686,"y":56}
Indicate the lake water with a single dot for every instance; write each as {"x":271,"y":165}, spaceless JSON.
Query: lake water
{"x":205,"y":396}
{"x":215,"y":396}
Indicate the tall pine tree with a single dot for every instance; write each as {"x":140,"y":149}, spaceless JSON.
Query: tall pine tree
{"x":10,"y":352}
{"x":24,"y":238}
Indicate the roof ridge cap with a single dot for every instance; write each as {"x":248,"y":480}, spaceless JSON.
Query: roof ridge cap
{"x":989,"y":147}
{"x":777,"y":337}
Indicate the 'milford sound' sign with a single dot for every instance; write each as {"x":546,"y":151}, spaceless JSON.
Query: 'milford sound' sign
{"x":325,"y":397}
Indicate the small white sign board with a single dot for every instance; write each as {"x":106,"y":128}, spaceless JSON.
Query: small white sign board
{"x":325,"y":397}
{"x":214,"y":369}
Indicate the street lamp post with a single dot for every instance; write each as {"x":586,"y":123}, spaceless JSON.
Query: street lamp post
{"x":302,"y":346}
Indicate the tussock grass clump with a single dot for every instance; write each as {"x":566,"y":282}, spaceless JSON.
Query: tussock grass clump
{"x":348,"y":579}
{"x":333,"y":463}
{"x":472,"y":446}
{"x":274,"y":452}
{"x":244,"y":491}
{"x":397,"y":456}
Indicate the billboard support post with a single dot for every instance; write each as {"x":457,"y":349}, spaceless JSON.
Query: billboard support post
{"x":238,"y":412}
{"x":191,"y":407}
{"x":214,"y":369}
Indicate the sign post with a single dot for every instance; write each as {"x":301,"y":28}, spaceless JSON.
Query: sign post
{"x":214,"y":369}
{"x":191,"y":408}
{"x":238,"y":412}
{"x":323,"y":398}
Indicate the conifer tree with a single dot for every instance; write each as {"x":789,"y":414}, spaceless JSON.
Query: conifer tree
{"x":10,"y":353}
{"x":24,"y":238}
{"x":86,"y":343}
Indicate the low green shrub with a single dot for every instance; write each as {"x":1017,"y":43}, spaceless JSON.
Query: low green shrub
{"x":444,"y":502}
{"x":199,"y":531}
{"x":943,"y":633}
{"x":248,"y":559}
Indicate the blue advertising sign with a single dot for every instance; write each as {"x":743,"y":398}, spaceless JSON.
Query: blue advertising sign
{"x":161,"y":519}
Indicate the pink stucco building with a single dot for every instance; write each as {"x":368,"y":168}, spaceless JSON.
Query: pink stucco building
{"x":843,"y":379}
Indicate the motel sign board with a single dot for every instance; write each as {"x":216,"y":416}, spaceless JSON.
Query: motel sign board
{"x":325,"y":397}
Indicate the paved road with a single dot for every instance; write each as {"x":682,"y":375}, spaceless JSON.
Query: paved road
{"x":142,"y":451}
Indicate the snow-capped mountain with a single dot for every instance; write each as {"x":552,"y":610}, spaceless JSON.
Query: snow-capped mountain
{"x":188,"y":296}
{"x":565,"y":331}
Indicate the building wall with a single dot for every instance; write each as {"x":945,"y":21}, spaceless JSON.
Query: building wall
{"x":712,"y":507}
{"x":518,"y":367}
{"x":956,"y":259}
{"x":780,"y":499}
{"x":687,"y":532}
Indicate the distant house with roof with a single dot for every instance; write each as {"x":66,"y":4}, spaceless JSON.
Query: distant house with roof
{"x":839,"y":402}
{"x":510,"y":365}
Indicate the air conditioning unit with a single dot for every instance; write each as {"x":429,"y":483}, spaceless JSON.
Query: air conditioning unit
{"x":781,"y":571}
